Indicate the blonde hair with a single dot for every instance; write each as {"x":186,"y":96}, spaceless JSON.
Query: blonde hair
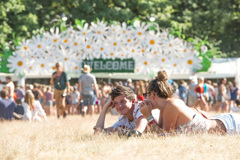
{"x":29,"y":99}
{"x":161,"y":86}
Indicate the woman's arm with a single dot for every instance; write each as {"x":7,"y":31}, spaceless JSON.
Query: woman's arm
{"x":146,"y":110}
{"x":141,"y":124}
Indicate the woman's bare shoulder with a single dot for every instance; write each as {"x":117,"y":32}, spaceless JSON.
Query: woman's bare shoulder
{"x":174,"y":103}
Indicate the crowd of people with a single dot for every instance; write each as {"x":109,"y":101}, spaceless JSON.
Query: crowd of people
{"x":138,"y":103}
{"x":88,"y":97}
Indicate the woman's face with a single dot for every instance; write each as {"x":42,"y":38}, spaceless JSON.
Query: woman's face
{"x":150,"y":99}
{"x":122,"y":104}
{"x":58,"y":66}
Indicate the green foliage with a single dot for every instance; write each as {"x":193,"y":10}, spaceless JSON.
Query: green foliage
{"x":219,"y":21}
{"x":3,"y":59}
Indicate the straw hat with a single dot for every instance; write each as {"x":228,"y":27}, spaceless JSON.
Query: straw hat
{"x":86,"y":69}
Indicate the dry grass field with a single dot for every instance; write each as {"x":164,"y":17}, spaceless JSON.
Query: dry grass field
{"x":73,"y":138}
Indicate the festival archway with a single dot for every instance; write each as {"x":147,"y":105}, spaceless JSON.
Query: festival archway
{"x":134,"y":48}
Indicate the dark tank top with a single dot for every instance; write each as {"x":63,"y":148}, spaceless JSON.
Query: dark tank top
{"x":35,"y":93}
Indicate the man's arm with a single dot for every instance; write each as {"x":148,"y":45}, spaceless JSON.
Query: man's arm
{"x":101,"y":120}
{"x":96,"y":89}
{"x":80,"y":89}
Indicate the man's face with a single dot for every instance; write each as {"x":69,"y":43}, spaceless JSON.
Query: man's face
{"x":122,"y":104}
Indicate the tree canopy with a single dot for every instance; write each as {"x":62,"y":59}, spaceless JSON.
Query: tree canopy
{"x":213,"y":20}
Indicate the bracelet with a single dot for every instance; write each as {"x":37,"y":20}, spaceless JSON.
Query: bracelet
{"x":150,"y":117}
{"x":151,"y":122}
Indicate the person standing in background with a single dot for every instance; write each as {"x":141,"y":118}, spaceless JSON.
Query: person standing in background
{"x":192,"y":96}
{"x":222,"y":104}
{"x":61,"y":88}
{"x":182,"y":91}
{"x":10,"y":86}
{"x":87,"y":84}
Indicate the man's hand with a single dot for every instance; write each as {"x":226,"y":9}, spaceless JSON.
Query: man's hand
{"x":109,"y":103}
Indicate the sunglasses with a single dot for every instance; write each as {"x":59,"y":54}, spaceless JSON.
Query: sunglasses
{"x":145,"y":94}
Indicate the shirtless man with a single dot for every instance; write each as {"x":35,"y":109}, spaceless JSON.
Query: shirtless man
{"x":10,"y":87}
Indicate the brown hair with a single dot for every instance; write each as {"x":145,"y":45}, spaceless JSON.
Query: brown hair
{"x":29,"y":99}
{"x":4,"y":93}
{"x":161,"y":86}
{"x":123,"y":90}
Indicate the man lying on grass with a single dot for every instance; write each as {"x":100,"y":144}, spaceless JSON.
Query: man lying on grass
{"x":131,"y":122}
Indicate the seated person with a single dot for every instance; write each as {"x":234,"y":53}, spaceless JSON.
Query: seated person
{"x":176,"y":117}
{"x":32,"y":109}
{"x":131,"y":121}
{"x":18,"y":111}
{"x":6,"y":106}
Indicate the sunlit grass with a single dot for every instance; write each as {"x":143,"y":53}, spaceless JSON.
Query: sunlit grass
{"x":73,"y":138}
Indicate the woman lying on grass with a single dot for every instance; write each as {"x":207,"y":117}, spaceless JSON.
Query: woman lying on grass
{"x":131,"y":122}
{"x":176,"y":117}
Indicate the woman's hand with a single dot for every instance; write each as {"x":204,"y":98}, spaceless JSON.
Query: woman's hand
{"x":145,"y":108}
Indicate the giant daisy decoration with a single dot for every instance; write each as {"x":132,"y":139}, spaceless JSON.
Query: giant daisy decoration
{"x":151,"y":50}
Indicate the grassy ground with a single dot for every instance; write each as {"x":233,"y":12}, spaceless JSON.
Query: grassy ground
{"x":73,"y":138}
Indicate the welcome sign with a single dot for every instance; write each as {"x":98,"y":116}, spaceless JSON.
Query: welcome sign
{"x":110,"y":65}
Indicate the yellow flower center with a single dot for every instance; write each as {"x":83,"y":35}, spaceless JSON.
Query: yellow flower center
{"x":163,"y":60}
{"x":185,"y":50}
{"x":46,"y":37}
{"x":124,"y":32}
{"x":53,"y":67}
{"x":152,"y":42}
{"x":155,"y":52}
{"x":75,"y":43}
{"x":143,"y":50}
{"x":163,"y":35}
{"x":170,"y":45}
{"x":129,"y":40}
{"x":42,"y":65}
{"x":88,"y":46}
{"x":145,"y":63}
{"x":101,"y":48}
{"x":25,"y":47}
{"x":137,"y":70}
{"x":76,"y":67}
{"x":139,"y":33}
{"x":39,"y":46}
{"x":32,"y":56}
{"x":65,"y":40}
{"x":133,"y":50}
{"x":65,"y":59}
{"x":20,"y":63}
{"x":112,"y":54}
{"x":55,"y":40}
{"x":30,"y":67}
{"x":192,"y":50}
{"x":115,"y":43}
{"x":99,"y":32}
{"x":122,"y":55}
{"x":190,"y":62}
{"x":84,"y":33}
{"x":175,"y":65}
{"x":70,"y":32}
